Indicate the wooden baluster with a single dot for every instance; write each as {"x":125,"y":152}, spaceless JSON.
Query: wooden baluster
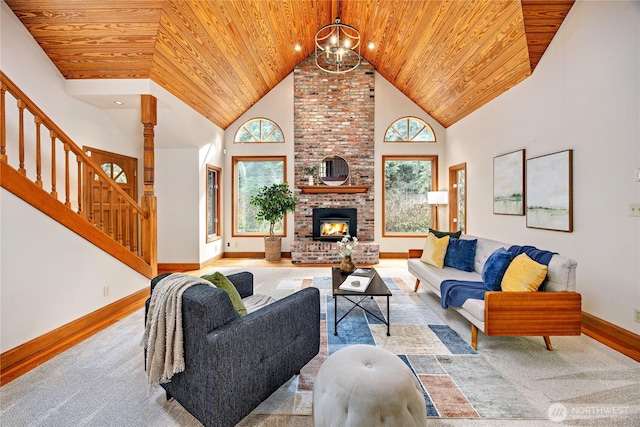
{"x":127,"y":234}
{"x":3,"y":124}
{"x":38,"y":122}
{"x":135,"y":220}
{"x":119,"y":221}
{"x":101,"y":204}
{"x":54,"y":191}
{"x":89,"y":201}
{"x":112,"y":231}
{"x":79,"y":161}
{"x":21,"y":107}
{"x":67,"y":201}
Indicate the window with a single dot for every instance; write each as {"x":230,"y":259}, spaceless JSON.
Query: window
{"x":213,"y":203}
{"x":250,"y":174}
{"x":407,"y":179}
{"x":458,"y":209}
{"x":259,"y":130}
{"x":113,"y":171}
{"x":409,"y":129}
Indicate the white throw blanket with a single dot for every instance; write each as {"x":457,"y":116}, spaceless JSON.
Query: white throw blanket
{"x":163,"y":336}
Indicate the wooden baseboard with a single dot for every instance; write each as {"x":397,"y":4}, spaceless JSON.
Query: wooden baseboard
{"x":177,"y":267}
{"x":626,"y":342}
{"x":251,"y":255}
{"x":25,"y":357}
{"x":393,"y":255}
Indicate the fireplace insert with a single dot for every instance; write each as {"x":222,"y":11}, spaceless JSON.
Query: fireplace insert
{"x":332,"y":224}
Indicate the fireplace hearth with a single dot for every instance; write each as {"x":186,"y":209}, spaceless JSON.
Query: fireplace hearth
{"x":332,"y":224}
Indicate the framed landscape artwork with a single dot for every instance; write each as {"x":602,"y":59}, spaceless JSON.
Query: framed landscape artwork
{"x":550,"y":191}
{"x":508,"y":183}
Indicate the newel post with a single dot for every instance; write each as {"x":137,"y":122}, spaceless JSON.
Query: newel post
{"x":149,"y":203}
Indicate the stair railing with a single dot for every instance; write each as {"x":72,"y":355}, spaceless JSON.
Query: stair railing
{"x":118,"y":215}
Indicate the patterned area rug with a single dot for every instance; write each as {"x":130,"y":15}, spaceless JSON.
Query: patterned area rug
{"x":456,"y":381}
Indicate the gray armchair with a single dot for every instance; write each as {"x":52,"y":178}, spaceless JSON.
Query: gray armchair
{"x":233,"y":363}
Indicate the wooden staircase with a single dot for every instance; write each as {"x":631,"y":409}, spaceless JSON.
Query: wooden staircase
{"x":41,"y":158}
{"x":41,"y":165}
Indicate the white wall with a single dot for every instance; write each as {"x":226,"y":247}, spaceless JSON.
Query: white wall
{"x":277,"y":105}
{"x":390,"y":105}
{"x":584,"y":95}
{"x":177,"y":185}
{"x":49,"y":275}
{"x":185,"y":143}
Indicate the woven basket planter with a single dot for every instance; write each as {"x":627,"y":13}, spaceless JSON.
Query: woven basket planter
{"x":272,"y":248}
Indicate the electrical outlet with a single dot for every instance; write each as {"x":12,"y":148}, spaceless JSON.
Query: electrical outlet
{"x":106,"y":290}
{"x":228,"y":244}
{"x":634,"y":209}
{"x":637,"y":315}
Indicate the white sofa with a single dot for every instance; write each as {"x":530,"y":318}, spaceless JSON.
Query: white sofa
{"x":556,"y":311}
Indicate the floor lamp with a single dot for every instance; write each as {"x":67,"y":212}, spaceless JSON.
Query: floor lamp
{"x":437,"y":198}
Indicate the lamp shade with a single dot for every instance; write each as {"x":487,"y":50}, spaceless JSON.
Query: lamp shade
{"x":438,"y":197}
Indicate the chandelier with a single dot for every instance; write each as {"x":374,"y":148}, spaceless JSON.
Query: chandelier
{"x":338,"y":48}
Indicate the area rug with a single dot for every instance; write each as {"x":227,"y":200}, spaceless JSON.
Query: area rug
{"x":456,"y":381}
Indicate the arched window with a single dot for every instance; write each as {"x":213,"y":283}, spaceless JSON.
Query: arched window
{"x":259,"y":130}
{"x":409,"y":129}
{"x":114,"y":171}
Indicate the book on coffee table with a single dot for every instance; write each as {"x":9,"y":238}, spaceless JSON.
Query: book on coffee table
{"x":367,"y":272}
{"x":356,"y":282}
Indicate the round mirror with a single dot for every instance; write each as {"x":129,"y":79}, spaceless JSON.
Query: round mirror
{"x":334,"y":170}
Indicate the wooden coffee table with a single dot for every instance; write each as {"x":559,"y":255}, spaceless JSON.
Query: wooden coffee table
{"x":377,"y":288}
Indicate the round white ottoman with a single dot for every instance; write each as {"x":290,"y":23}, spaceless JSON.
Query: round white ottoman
{"x":363,"y":385}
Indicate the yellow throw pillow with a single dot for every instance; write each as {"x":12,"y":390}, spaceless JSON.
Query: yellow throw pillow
{"x":523,"y":275}
{"x":435,"y":250}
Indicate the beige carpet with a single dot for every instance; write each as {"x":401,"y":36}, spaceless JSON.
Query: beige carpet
{"x":101,"y":381}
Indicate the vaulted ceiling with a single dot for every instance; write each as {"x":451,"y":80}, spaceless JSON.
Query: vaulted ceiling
{"x":221,"y":56}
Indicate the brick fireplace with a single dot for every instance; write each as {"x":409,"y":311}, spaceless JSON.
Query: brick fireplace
{"x":334,"y":115}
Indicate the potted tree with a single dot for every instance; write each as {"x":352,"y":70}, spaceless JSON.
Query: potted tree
{"x":273,"y":202}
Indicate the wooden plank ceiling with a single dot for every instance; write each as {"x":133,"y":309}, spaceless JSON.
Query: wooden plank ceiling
{"x":221,"y":57}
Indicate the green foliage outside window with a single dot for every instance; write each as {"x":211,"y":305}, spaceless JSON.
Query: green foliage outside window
{"x":406,"y":183}
{"x":251,"y":177}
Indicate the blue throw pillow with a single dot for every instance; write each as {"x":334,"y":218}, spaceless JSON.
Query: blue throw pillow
{"x":460,"y":254}
{"x":495,"y":267}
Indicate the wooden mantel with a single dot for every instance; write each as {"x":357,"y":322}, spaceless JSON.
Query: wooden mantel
{"x":322,"y":189}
